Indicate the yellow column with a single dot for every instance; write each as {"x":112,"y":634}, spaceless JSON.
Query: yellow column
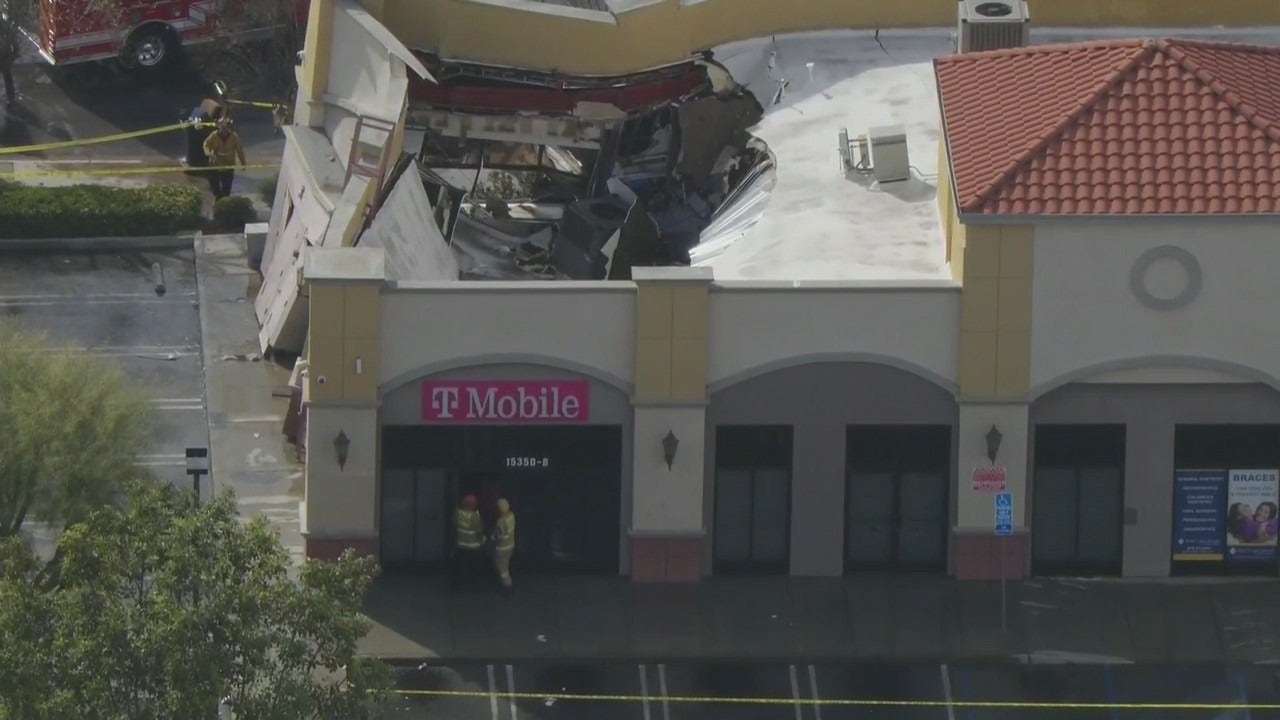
{"x":341,"y":394}
{"x":995,"y":361}
{"x":672,"y":318}
{"x":314,"y":78}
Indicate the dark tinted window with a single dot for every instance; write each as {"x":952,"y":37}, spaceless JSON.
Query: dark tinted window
{"x":753,"y":446}
{"x":1079,"y":445}
{"x":1226,"y":446}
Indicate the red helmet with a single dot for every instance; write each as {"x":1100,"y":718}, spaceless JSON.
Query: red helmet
{"x":469,"y":502}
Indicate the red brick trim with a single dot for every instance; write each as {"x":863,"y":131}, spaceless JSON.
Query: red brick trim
{"x":978,"y":555}
{"x":666,"y":559}
{"x":330,"y":548}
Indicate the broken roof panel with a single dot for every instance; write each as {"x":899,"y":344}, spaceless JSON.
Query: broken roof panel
{"x":598,"y":5}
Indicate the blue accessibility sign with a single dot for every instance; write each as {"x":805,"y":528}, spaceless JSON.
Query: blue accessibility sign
{"x":1004,"y":514}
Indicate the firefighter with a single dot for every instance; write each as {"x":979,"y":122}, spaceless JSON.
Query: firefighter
{"x":223,"y":148}
{"x":467,"y":543}
{"x":504,"y":543}
{"x":208,"y":111}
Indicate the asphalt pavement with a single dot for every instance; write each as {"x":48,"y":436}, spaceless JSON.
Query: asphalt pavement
{"x":802,"y":690}
{"x":106,"y":303}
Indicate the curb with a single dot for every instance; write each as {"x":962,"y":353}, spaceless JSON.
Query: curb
{"x":176,"y":241}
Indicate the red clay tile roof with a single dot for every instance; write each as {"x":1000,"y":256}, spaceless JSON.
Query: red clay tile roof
{"x":1134,"y":127}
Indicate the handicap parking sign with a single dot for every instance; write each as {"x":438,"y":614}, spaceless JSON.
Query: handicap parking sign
{"x":1004,"y":513}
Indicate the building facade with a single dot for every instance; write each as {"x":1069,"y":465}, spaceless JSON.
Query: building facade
{"x":1103,"y":352}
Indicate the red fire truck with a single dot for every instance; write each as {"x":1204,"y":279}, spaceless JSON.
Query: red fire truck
{"x":145,"y":33}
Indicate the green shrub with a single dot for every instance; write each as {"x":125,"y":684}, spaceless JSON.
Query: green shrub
{"x":231,"y":214}
{"x":28,"y":211}
{"x":267,"y":190}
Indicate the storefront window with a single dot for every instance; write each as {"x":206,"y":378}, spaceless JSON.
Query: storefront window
{"x":896,"y":497}
{"x":1078,"y":500}
{"x":563,"y":483}
{"x":752,"y":499}
{"x":1226,"y":495}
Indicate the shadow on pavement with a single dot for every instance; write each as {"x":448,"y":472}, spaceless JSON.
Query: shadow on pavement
{"x":16,"y":128}
{"x":132,"y":100}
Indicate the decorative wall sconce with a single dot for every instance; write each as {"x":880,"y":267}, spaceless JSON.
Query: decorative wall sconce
{"x":670,"y":443}
{"x":341,"y":445}
{"x":993,"y":444}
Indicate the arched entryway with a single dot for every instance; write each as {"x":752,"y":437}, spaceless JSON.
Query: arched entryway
{"x":830,"y":467}
{"x":553,"y":442}
{"x":1135,"y":466}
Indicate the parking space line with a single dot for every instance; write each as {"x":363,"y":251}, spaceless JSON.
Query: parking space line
{"x":795,"y":692}
{"x":511,"y":690}
{"x":662,"y":688}
{"x":493,"y":694}
{"x":86,"y":297}
{"x":946,"y":691}
{"x":813,"y":688}
{"x":153,"y":300}
{"x":644,"y":691}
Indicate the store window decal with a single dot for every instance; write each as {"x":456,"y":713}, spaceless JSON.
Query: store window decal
{"x":1226,"y":515}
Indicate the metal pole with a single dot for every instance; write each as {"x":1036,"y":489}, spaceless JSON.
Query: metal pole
{"x":1004,"y":623}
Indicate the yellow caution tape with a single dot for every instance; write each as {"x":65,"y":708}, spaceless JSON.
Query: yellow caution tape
{"x":153,"y":170}
{"x":960,"y":704}
{"x":102,"y":139}
{"x":253,"y":103}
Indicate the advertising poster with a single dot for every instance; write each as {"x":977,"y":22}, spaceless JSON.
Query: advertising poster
{"x":1253,"y":498}
{"x":1199,"y":501}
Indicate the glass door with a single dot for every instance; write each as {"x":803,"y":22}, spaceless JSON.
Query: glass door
{"x":1077,"y":508}
{"x":896,"y":497}
{"x":417,"y":517}
{"x":752,"y":515}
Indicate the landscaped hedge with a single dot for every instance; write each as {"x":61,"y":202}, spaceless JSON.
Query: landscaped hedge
{"x":28,"y":211}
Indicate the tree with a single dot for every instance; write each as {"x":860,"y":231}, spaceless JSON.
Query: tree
{"x":256,"y":50}
{"x":70,"y":430}
{"x":164,"y":608}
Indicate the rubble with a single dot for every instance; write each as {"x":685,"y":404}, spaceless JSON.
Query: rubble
{"x":588,"y":197}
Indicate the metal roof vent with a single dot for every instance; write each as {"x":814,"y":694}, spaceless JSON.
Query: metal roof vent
{"x":993,"y":25}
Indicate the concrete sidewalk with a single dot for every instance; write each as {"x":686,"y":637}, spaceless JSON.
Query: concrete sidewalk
{"x":871,"y":618}
{"x":247,"y":445}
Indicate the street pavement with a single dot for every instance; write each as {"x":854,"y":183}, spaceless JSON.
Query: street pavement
{"x":198,"y":340}
{"x":106,"y":303}
{"x":683,"y":690}
{"x":873,"y":617}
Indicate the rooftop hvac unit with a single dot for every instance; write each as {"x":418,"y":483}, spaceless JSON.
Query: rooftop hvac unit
{"x":993,"y":25}
{"x":889,"y":159}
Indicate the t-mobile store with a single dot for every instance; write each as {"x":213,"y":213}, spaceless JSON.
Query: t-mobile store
{"x":552,"y":443}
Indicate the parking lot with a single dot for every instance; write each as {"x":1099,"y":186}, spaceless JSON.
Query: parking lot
{"x":734,"y":691}
{"x":106,"y":303}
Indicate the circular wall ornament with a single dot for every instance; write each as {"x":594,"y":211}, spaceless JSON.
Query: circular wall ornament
{"x":1166,"y":278}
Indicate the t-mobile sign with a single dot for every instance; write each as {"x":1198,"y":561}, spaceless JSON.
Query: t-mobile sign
{"x":510,"y":402}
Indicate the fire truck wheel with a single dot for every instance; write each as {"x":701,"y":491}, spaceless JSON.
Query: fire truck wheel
{"x":149,"y":48}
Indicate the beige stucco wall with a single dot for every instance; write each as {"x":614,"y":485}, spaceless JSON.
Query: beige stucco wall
{"x":975,"y":511}
{"x":586,"y":326}
{"x":668,"y":31}
{"x":341,"y":502}
{"x":756,"y":327}
{"x":1087,"y":322}
{"x":668,"y":500}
